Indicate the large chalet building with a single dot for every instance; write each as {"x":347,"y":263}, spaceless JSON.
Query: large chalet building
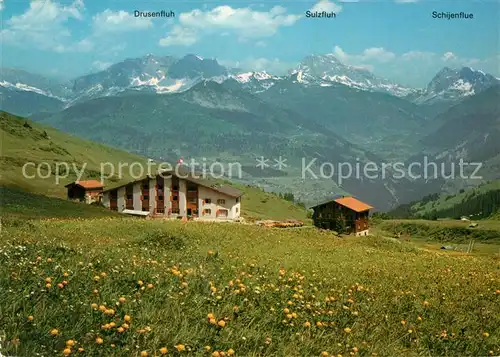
{"x":175,"y":195}
{"x":348,"y":211}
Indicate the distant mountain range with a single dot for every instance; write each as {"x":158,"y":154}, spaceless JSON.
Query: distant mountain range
{"x":164,"y":107}
{"x":167,"y":74}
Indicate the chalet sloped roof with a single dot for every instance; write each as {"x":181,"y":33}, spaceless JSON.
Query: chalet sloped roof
{"x":185,"y":174}
{"x":87,"y":184}
{"x":349,"y":202}
{"x":354,"y":204}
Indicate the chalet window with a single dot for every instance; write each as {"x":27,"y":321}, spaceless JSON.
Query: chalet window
{"x":145,"y":186}
{"x":160,"y":198}
{"x":175,"y":188}
{"x":145,"y":198}
{"x":207,"y":201}
{"x":222,"y":213}
{"x":207,"y":212}
{"x":192,"y":188}
{"x":237,"y":210}
{"x":221,"y":201}
{"x":237,"y":199}
{"x":192,"y":199}
{"x":130,"y":197}
{"x":175,"y":198}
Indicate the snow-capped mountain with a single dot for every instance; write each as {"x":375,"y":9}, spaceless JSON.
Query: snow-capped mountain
{"x":15,"y":79}
{"x":24,"y":93}
{"x":327,"y":70}
{"x":254,"y":82}
{"x":455,"y":84}
{"x":149,"y":73}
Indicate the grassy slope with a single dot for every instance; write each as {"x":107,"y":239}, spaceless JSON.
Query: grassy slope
{"x":21,"y":144}
{"x":17,"y":204}
{"x":368,"y":294}
{"x":445,"y":201}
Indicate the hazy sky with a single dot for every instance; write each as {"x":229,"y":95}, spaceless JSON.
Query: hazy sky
{"x":398,"y":40}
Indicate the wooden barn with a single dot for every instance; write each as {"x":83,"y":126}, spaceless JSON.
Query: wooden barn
{"x":89,"y":191}
{"x":345,"y":214}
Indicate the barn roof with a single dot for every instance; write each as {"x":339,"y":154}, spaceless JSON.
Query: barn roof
{"x":349,"y":202}
{"x":87,"y":184}
{"x":354,"y":204}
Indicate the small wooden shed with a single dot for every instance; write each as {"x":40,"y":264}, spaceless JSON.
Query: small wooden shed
{"x":346,"y":214}
{"x":89,"y":191}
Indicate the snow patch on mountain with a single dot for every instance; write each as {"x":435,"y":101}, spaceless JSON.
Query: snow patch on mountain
{"x":326,"y":70}
{"x":27,"y":88}
{"x":465,"y":87}
{"x":455,"y":84}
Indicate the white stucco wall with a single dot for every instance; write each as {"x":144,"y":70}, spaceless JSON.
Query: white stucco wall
{"x":182,"y":197}
{"x":105,"y":199}
{"x":230,"y":203}
{"x":121,"y":199}
{"x":152,"y":195}
{"x":137,"y":196}
{"x":167,"y":184}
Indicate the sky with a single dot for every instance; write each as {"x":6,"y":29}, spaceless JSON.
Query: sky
{"x":395,"y":39}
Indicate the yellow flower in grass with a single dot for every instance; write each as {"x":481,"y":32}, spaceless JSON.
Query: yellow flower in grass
{"x":215,"y":354}
{"x":144,"y":354}
{"x":307,"y":324}
{"x":207,"y":348}
{"x":99,"y":341}
{"x":122,"y":300}
{"x":30,"y":318}
{"x":230,"y":352}
{"x":67,"y":351}
{"x":127,"y":318}
{"x":180,"y":347}
{"x":324,"y":354}
{"x":347,"y":330}
{"x":221,"y":323}
{"x":163,"y":350}
{"x":54,"y":332}
{"x":70,"y":343}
